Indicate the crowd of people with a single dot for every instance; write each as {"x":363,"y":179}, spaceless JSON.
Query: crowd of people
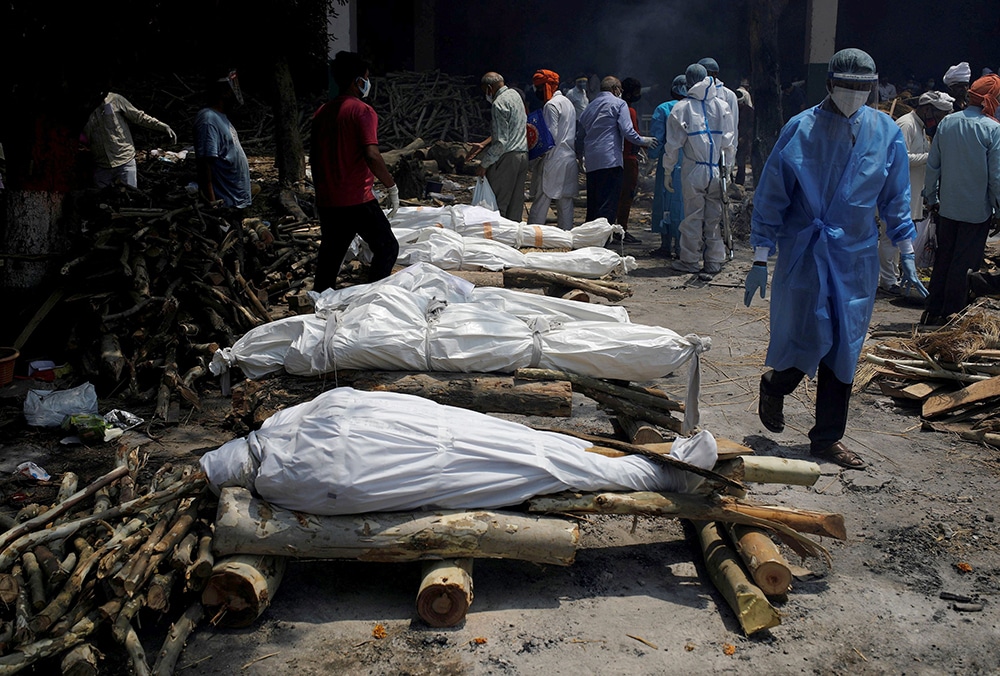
{"x":838,"y":203}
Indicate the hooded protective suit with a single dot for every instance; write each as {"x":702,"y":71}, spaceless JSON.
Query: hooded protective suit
{"x":815,"y":203}
{"x":701,"y":125}
{"x":668,"y":207}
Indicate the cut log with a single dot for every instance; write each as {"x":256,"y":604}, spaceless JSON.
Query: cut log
{"x":245,"y":524}
{"x":939,"y":404}
{"x":33,"y":576}
{"x":767,"y":566}
{"x":624,"y":407}
{"x":644,"y":397}
{"x":201,"y":567}
{"x":241,"y":587}
{"x":445,"y":592}
{"x":752,"y":608}
{"x":523,"y":277}
{"x":34,"y":524}
{"x":158,"y":591}
{"x":67,"y":487}
{"x":80,"y":661}
{"x":785,"y":520}
{"x":176,"y":638}
{"x":8,"y":589}
{"x":639,"y":431}
{"x":482,"y":392}
{"x":48,"y":647}
{"x":479,"y":278}
{"x":770,"y":470}
{"x":26,"y":542}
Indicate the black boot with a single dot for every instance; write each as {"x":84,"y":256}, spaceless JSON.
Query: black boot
{"x":771,"y":410}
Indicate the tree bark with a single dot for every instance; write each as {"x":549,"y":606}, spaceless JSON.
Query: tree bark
{"x":765,"y":79}
{"x":289,"y":156}
{"x":247,"y":525}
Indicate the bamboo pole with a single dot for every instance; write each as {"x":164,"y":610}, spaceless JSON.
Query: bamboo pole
{"x":770,"y":470}
{"x":445,"y":592}
{"x":747,"y":601}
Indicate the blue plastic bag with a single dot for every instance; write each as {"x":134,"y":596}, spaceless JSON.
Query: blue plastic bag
{"x":539,"y":139}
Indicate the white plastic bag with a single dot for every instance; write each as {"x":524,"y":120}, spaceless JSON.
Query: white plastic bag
{"x":926,"y":244}
{"x":47,"y":408}
{"x":482,"y":195}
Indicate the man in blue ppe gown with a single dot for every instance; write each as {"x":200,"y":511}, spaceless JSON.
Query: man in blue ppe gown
{"x":832,"y":167}
{"x":668,"y":207}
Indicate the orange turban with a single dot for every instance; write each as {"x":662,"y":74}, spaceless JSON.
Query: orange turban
{"x":547,"y":78}
{"x":985,"y":92}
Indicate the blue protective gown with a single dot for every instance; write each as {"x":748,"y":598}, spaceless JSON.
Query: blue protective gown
{"x":815,"y":204}
{"x":663,"y":201}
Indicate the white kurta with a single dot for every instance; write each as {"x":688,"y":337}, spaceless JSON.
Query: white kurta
{"x":917,"y":148}
{"x":559,"y":176}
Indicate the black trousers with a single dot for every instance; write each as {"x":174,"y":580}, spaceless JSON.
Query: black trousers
{"x":604,"y":187}
{"x":832,"y":399}
{"x":960,"y":249}
{"x":338,"y":226}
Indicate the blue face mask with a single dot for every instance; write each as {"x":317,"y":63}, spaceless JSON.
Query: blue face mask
{"x":365,"y":86}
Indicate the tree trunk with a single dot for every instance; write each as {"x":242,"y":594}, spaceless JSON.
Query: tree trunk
{"x":247,"y":525}
{"x":290,"y":157}
{"x":765,"y":79}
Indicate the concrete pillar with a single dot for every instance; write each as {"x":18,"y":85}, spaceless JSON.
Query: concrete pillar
{"x":821,"y":43}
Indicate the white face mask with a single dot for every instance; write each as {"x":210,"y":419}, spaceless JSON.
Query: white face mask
{"x":365,"y":86}
{"x":849,"y":101}
{"x":489,"y":98}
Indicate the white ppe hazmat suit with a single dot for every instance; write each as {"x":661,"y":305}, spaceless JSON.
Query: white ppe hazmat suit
{"x":702,"y":125}
{"x":558,"y":168}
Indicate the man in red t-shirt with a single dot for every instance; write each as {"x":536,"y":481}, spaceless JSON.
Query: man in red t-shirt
{"x":345,"y":163}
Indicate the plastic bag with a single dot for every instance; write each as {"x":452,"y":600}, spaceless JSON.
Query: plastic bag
{"x":47,"y":408}
{"x":540,"y":140}
{"x":482,"y":195}
{"x":925,"y":246}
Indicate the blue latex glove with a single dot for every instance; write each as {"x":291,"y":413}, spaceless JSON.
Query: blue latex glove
{"x":756,"y":279}
{"x":908,"y":265}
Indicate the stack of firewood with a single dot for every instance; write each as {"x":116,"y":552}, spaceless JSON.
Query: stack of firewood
{"x":163,"y":281}
{"x":96,"y":557}
{"x":952,"y":374}
{"x":432,"y":105}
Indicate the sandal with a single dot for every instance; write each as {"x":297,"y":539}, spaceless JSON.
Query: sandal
{"x":841,"y":455}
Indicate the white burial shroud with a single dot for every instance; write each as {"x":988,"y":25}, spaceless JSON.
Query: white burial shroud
{"x":352,"y":452}
{"x":424,"y":319}
{"x":465,"y":237}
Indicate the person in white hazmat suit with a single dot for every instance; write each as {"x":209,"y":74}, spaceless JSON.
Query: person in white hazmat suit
{"x":724,"y":93}
{"x":702,"y":125}
{"x":557,"y":169}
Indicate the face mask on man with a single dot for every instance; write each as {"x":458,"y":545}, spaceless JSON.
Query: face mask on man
{"x":581,"y":84}
{"x":849,"y":101}
{"x":365,"y":86}
{"x":489,"y":97}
